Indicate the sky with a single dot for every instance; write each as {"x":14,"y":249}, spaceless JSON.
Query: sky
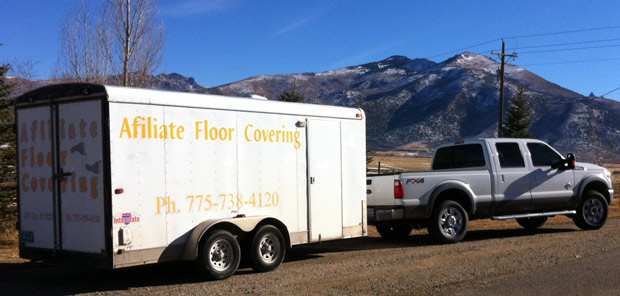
{"x":575,"y":44}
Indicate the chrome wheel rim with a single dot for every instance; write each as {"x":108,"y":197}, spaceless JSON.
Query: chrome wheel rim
{"x":267,"y":248}
{"x":221,"y":255}
{"x":593,"y":211}
{"x":451,"y":221}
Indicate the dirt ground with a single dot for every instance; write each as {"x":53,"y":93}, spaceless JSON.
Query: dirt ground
{"x":486,"y":262}
{"x":496,"y":257}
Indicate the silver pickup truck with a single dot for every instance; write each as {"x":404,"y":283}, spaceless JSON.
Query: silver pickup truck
{"x":501,"y":179}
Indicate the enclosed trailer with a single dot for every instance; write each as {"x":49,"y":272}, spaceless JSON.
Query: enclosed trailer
{"x":120,"y":176}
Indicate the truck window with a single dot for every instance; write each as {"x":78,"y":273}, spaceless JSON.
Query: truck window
{"x":456,"y":157}
{"x":542,"y":155}
{"x":509,"y":155}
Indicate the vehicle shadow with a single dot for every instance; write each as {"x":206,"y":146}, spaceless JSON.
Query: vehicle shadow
{"x":416,"y":240}
{"x":53,"y":279}
{"x":37,"y":278}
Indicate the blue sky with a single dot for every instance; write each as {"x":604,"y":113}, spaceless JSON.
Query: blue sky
{"x":223,"y":41}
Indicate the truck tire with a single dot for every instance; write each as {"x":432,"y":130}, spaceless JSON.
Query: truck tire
{"x":267,"y":249}
{"x":448,"y":223}
{"x":220,"y":255}
{"x":394,"y":231}
{"x":592,"y":211}
{"x":532,"y":222}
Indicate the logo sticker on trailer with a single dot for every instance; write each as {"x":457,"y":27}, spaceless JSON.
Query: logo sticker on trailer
{"x":126,"y":218}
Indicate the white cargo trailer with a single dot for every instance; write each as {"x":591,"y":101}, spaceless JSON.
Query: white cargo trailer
{"x":123,"y":176}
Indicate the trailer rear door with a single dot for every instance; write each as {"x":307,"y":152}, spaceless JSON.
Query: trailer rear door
{"x":61,"y":176}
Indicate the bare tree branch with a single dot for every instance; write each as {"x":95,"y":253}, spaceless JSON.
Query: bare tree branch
{"x":125,"y":42}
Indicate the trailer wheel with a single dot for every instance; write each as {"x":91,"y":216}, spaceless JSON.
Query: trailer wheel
{"x":394,"y":231}
{"x":267,"y":249}
{"x":448,"y":223}
{"x":220,"y":255}
{"x":532,"y":222}
{"x":592,"y":211}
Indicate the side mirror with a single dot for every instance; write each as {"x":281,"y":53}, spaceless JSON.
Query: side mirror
{"x":570,"y":161}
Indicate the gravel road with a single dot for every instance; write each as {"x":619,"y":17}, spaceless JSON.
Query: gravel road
{"x":557,"y":259}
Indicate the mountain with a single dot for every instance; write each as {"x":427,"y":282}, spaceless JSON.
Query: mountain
{"x":413,"y":105}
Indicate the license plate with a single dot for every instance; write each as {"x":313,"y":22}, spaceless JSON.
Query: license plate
{"x":26,"y":237}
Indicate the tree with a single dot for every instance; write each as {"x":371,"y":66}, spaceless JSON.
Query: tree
{"x":124,"y":45}
{"x":519,"y":119}
{"x":138,"y":39}
{"x":293,"y":95}
{"x":8,"y":161}
{"x":85,"y":51}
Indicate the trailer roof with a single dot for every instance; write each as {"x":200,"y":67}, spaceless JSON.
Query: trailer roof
{"x":80,"y":91}
{"x":168,"y":98}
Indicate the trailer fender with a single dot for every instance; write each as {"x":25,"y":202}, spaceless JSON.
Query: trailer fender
{"x":231,"y":224}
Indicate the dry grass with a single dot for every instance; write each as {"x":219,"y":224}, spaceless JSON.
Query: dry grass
{"x":396,"y":164}
{"x":8,"y":235}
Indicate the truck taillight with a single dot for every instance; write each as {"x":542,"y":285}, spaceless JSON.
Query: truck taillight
{"x":399,"y":192}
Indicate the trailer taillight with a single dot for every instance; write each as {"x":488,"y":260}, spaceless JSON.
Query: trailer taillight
{"x":119,"y":191}
{"x":399,"y":192}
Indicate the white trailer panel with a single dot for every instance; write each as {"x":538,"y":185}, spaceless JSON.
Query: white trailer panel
{"x":152,"y":176}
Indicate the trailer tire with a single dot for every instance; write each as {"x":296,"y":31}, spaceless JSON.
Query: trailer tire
{"x":267,"y":249}
{"x":394,"y":231}
{"x":532,"y":222}
{"x":592,"y":212}
{"x":448,"y":223}
{"x":219,"y":255}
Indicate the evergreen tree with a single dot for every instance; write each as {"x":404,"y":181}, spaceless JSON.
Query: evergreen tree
{"x":519,"y":119}
{"x":293,"y":95}
{"x":8,"y":161}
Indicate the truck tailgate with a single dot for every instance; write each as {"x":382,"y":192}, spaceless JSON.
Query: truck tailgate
{"x":380,"y":190}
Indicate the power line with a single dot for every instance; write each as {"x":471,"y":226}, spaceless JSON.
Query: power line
{"x":566,"y":32}
{"x":468,"y":47}
{"x":615,"y":89}
{"x":526,"y":36}
{"x":571,"y":62}
{"x":563,"y":44}
{"x":569,"y":49}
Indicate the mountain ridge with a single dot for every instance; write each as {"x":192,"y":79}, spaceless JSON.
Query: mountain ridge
{"x":413,"y":105}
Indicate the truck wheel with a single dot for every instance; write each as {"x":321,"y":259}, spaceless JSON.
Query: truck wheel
{"x":394,"y":231}
{"x":448,"y":223}
{"x":592,"y":211}
{"x":532,"y":222}
{"x":220,"y":255}
{"x":267,"y":249}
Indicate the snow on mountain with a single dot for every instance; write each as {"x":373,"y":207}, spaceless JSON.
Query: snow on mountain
{"x":412,"y":105}
{"x":417,"y":101}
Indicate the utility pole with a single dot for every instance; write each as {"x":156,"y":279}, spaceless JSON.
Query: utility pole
{"x":502,"y":56}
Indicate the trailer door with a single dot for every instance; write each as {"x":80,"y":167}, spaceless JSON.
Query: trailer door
{"x":61,"y":177}
{"x":325,"y":180}
{"x":36,"y":196}
{"x":80,"y":155}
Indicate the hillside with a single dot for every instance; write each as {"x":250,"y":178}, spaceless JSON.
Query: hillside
{"x":412,"y":105}
{"x":416,"y":104}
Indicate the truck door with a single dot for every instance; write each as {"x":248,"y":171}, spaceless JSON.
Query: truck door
{"x":513,"y":181}
{"x":325,"y":180}
{"x":552,"y":188}
{"x":61,"y":177}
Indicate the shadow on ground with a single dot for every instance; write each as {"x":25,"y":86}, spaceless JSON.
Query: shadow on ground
{"x":52,"y":279}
